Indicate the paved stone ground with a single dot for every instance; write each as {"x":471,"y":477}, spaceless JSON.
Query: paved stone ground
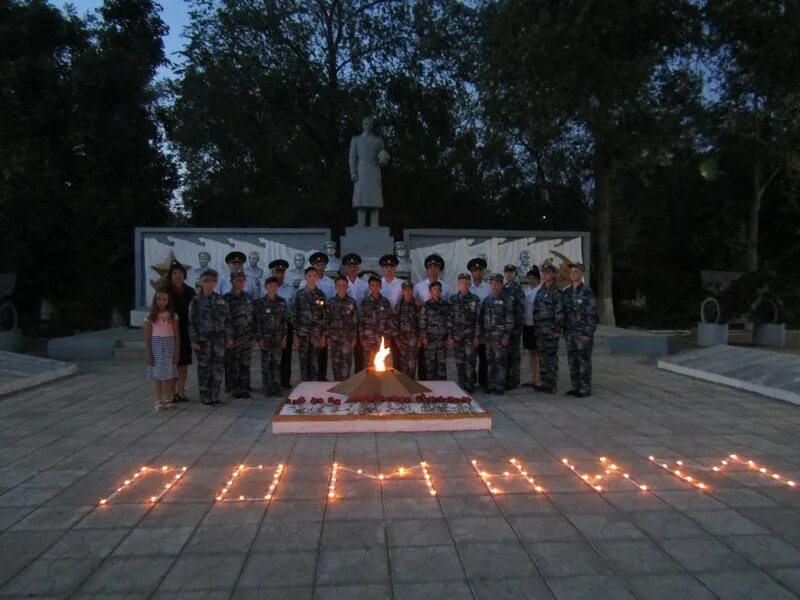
{"x":67,"y":444}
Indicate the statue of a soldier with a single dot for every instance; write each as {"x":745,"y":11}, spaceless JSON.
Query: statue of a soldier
{"x":367,"y":155}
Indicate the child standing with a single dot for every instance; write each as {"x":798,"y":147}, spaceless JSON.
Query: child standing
{"x":162,"y":337}
{"x":464,"y":324}
{"x":238,"y":358}
{"x":309,"y":318}
{"x":434,"y":323}
{"x":211,"y":333}
{"x":272,"y":327}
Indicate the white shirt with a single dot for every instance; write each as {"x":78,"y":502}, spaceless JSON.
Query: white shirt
{"x":392,"y":291}
{"x":357,"y":289}
{"x":423,"y":293}
{"x":325,"y":284}
{"x":530,"y":296}
{"x":482,"y":290}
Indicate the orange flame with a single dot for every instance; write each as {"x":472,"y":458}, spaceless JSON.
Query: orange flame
{"x":380,"y":357}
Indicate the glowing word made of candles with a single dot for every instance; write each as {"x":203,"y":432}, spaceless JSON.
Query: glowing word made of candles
{"x":523,"y":472}
{"x":226,"y":494}
{"x":592,"y":480}
{"x":755,"y":467}
{"x":381,"y":478}
{"x":679,"y":470}
{"x":612,"y":469}
{"x":171,"y":474}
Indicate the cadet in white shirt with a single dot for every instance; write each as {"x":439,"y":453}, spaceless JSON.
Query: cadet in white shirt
{"x":528,"y":330}
{"x":434,"y":265}
{"x":319,"y":260}
{"x":391,"y":286}
{"x":482,"y":290}
{"x":235,"y":261}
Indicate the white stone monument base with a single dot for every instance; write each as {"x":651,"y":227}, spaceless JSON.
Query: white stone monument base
{"x":711,"y":334}
{"x":375,"y":417}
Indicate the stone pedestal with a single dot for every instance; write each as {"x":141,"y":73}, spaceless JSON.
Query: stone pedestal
{"x":368,"y":242}
{"x":769,"y":334}
{"x":711,"y":334}
{"x":137,"y":317}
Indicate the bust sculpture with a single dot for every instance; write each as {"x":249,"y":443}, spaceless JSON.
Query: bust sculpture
{"x":296,"y":276}
{"x":404,"y":262}
{"x":334,"y":264}
{"x":367,"y":155}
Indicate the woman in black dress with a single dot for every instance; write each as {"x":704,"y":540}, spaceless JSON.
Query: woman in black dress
{"x":182,"y":295}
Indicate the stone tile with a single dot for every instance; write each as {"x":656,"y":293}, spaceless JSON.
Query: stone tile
{"x":54,"y":577}
{"x":704,"y":554}
{"x":203,"y":572}
{"x":744,"y":498}
{"x":745,"y":585}
{"x":725,"y":522}
{"x":295,"y":510}
{"x":531,"y":588}
{"x":544,"y":528}
{"x":233,"y":514}
{"x":175,"y":515}
{"x":288,"y":535}
{"x":481,"y":529}
{"x":606,"y":526}
{"x":590,"y":587}
{"x":690,"y":500}
{"x":27,"y":496}
{"x":86,"y":543}
{"x":426,"y":564}
{"x":12,"y":514}
{"x":399,"y":509}
{"x":583,"y":502}
{"x":274,"y":593}
{"x":190,"y":595}
{"x":460,"y":486}
{"x":469,"y":506}
{"x":525,"y":504}
{"x":562,"y":559}
{"x":353,"y":592}
{"x":128,"y":574}
{"x":353,"y":535}
{"x":419,"y":533}
{"x":480,"y":561}
{"x":217,"y":540}
{"x":114,"y":515}
{"x":765,"y":551}
{"x":635,"y":501}
{"x":637,"y":558}
{"x":667,"y":525}
{"x":352,"y":566}
{"x":449,"y":590}
{"x":266,"y":570}
{"x":354,"y":510}
{"x":788,"y":577}
{"x":669,"y":587}
{"x":154,"y":540}
{"x":53,"y":517}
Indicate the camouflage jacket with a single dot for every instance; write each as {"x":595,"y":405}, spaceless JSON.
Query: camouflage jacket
{"x":497,"y":317}
{"x":548,"y":309}
{"x":375,"y":319}
{"x":242,"y":313}
{"x":434,"y":320}
{"x":580,"y":310}
{"x":309,"y":312}
{"x":406,"y":320}
{"x":465,"y":312}
{"x":342,"y":318}
{"x":272,"y":319}
{"x":209,"y":315}
{"x":517,"y":294}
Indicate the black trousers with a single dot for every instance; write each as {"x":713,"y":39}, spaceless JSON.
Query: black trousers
{"x":358,"y":357}
{"x":286,"y":359}
{"x":422,"y":372}
{"x":483,"y":369}
{"x":323,"y":363}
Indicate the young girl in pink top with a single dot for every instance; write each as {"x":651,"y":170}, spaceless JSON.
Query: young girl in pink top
{"x":161,"y":338}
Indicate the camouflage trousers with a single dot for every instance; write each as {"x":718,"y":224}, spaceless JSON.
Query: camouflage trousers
{"x":513,"y":360}
{"x":341,"y":351}
{"x":210,"y":365}
{"x":237,"y":365}
{"x":436,"y":360}
{"x":547,"y":347}
{"x":308,"y":353}
{"x":270,"y":367}
{"x":466,"y":354}
{"x":579,"y":357}
{"x":406,"y":359}
{"x":496,"y":361}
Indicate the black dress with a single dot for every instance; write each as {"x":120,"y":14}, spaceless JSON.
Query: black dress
{"x":181,"y":304}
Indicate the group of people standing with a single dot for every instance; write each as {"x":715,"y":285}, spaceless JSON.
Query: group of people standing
{"x":486,"y":324}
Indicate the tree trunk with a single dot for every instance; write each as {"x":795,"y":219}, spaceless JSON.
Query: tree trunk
{"x":752,"y":219}
{"x":603,"y":173}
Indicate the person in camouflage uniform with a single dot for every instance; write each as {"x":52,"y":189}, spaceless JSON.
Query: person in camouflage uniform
{"x":237,"y":359}
{"x":406,"y":330}
{"x":548,"y":319}
{"x":514,"y":290}
{"x":375,"y":320}
{"x":580,"y":322}
{"x":465,"y":308}
{"x":272,"y":328}
{"x":342,"y":329}
{"x":496,"y":325}
{"x":211,"y":332}
{"x":434,"y":333}
{"x":309,"y":319}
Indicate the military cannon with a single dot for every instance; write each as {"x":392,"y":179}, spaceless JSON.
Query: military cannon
{"x":8,"y":312}
{"x":735,"y":295}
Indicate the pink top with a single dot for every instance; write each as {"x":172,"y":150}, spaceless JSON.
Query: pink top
{"x":164,"y":325}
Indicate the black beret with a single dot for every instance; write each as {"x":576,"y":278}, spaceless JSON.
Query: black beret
{"x":237,"y":273}
{"x":465,"y":276}
{"x":406,"y":284}
{"x":535,"y":272}
{"x":476,"y":263}
{"x":509,"y":268}
{"x":279,"y":263}
{"x":235,"y":256}
{"x":317,"y":257}
{"x":496,"y":277}
{"x":577,"y":265}
{"x":271,"y":279}
{"x":374,"y":278}
{"x":351,"y":259}
{"x":388,"y":259}
{"x":434,"y":259}
{"x":549,"y":268}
